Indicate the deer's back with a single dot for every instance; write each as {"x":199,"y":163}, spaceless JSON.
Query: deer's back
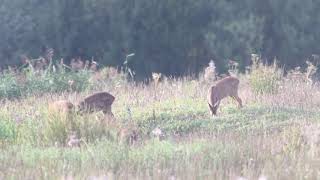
{"x":226,"y":87}
{"x":63,"y":106}
{"x":100,"y":96}
{"x":99,"y":100}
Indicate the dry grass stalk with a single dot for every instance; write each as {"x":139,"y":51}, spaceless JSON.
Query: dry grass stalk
{"x":210,"y":72}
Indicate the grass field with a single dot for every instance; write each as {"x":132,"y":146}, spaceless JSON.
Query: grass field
{"x":276,"y":135}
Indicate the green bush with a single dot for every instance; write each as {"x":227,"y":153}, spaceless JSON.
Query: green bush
{"x":30,"y":83}
{"x":9,"y":87}
{"x":264,"y":79}
{"x":55,"y":82}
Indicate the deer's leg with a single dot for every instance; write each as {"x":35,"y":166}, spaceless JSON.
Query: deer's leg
{"x":215,"y":107}
{"x":211,"y":109}
{"x":238,"y":99}
{"x":107,"y":111}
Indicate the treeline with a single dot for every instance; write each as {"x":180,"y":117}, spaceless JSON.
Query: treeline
{"x":169,"y":36}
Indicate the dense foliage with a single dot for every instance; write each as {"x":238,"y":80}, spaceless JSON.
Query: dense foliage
{"x":173,"y":37}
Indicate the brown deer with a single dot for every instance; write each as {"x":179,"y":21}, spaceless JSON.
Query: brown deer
{"x":101,"y":101}
{"x":63,"y":108}
{"x":223,"y":88}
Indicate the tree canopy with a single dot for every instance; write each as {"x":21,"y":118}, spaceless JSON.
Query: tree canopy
{"x":174,"y":37}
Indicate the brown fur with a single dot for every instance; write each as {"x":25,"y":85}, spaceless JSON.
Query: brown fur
{"x":225,"y":87}
{"x":61,"y":106}
{"x":101,"y":101}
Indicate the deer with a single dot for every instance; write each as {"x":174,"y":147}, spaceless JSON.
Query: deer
{"x":225,"y":87}
{"x":62,"y":108}
{"x":100,"y":101}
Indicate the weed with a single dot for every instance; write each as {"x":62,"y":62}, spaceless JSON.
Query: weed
{"x":264,"y":79}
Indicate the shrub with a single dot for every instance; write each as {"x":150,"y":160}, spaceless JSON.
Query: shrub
{"x":54,"y":82}
{"x":9,"y":87}
{"x":29,"y":82}
{"x":264,"y":79}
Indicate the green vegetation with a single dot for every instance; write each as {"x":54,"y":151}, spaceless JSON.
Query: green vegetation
{"x":274,"y":135}
{"x":30,"y":82}
{"x":264,"y":79}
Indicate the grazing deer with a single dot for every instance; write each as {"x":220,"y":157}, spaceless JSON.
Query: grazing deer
{"x":223,"y":88}
{"x":62,"y":108}
{"x":101,"y":101}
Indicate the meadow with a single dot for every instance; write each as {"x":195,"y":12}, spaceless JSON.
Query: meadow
{"x":276,"y":135}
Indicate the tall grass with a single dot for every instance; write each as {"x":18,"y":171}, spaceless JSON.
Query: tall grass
{"x":276,"y":134}
{"x":264,"y":79}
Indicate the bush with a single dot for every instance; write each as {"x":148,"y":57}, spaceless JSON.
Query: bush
{"x":264,"y":79}
{"x":29,"y":83}
{"x":9,"y":87}
{"x":55,"y":82}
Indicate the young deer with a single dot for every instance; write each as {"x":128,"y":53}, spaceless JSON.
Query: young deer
{"x":63,"y":108}
{"x":101,"y":101}
{"x":223,"y":88}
